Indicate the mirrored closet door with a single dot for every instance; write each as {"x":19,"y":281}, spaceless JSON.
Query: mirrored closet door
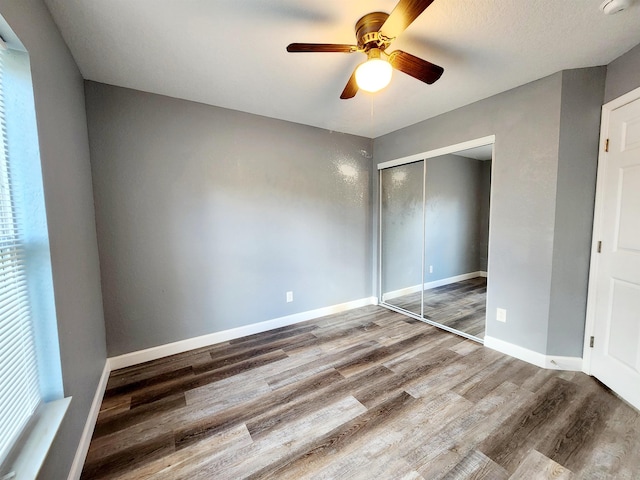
{"x":402,"y":227}
{"x":434,"y":238}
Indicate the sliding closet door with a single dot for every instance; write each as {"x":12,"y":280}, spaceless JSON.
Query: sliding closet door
{"x":456,"y":241}
{"x":402,"y":232}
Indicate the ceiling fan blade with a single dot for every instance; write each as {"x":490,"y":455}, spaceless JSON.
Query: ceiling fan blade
{"x":351,"y":89}
{"x":424,"y":71}
{"x":405,"y":12}
{"x":321,"y":47}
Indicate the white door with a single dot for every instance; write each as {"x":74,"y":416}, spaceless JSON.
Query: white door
{"x":615,"y":356}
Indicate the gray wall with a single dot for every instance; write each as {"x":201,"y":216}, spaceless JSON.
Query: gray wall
{"x":582,"y":94}
{"x":452,"y":216}
{"x":526,"y":123}
{"x":66,"y":173}
{"x":623,"y":74}
{"x":207,"y":216}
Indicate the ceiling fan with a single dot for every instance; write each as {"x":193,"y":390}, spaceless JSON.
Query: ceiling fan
{"x":374,"y":33}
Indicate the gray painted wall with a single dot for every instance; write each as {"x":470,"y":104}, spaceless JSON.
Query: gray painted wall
{"x":582,"y":95}
{"x":207,"y":216}
{"x":623,"y":74}
{"x":66,"y":174}
{"x":542,"y":194}
{"x":452,"y":217}
{"x":526,"y":123}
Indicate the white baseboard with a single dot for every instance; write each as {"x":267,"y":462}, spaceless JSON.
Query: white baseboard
{"x":400,"y":292}
{"x":89,"y":426}
{"x":552,"y":362}
{"x":434,"y":284}
{"x":483,"y":274}
{"x":153,"y":353}
{"x":450,"y":280}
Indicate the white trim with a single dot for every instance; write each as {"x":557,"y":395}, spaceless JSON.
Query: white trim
{"x":484,"y":274}
{"x":90,"y":424}
{"x":153,"y":353}
{"x":34,"y":451}
{"x":478,"y":142}
{"x":434,"y":284}
{"x":400,"y":292}
{"x":590,"y":322}
{"x":454,"y":279}
{"x":552,"y":362}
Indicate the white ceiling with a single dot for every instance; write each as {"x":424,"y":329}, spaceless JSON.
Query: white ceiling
{"x":231,"y":53}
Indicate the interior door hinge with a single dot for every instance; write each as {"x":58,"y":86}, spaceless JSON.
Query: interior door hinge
{"x":591,"y":342}
{"x":599,"y":246}
{"x":606,"y":145}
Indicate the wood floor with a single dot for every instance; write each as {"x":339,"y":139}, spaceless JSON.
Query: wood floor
{"x":460,"y":305}
{"x":369,"y":394}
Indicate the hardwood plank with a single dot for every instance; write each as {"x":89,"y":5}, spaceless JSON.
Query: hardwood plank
{"x":581,"y":429}
{"x":615,"y":453}
{"x":281,"y":443}
{"x":508,"y":369}
{"x":228,"y":392}
{"x":519,"y":433}
{"x":179,"y":464}
{"x":418,"y":421}
{"x":180,"y":385}
{"x":467,"y":430}
{"x":192,"y":433}
{"x":536,"y":465}
{"x":313,"y":399}
{"x":113,"y":406}
{"x":313,"y":367}
{"x":131,"y":458}
{"x":132,"y":386}
{"x":344,"y":434}
{"x":403,"y":379}
{"x":379,"y":355}
{"x":476,"y":465}
{"x":122,"y":420}
{"x":465,"y":347}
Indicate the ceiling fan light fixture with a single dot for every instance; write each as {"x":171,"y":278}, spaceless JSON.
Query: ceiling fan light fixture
{"x":374,"y":74}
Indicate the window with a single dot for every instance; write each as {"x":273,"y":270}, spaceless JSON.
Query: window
{"x":31,"y":403}
{"x":19,"y":389}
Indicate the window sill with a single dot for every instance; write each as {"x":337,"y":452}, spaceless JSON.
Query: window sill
{"x":31,"y":457}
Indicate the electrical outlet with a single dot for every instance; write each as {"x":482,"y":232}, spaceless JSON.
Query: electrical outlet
{"x":430,"y":268}
{"x":289,"y":297}
{"x":501,"y":315}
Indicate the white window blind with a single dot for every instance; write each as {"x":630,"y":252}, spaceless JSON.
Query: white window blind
{"x":19,"y":384}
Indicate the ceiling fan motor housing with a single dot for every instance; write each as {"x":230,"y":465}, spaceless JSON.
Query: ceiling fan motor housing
{"x":367,"y":29}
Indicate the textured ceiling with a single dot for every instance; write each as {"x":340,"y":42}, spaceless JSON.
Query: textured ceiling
{"x":231,"y":53}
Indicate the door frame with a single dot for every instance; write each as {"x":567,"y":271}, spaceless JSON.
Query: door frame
{"x":590,"y":321}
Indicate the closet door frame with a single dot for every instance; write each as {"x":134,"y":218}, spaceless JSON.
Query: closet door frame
{"x":478,"y":142}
